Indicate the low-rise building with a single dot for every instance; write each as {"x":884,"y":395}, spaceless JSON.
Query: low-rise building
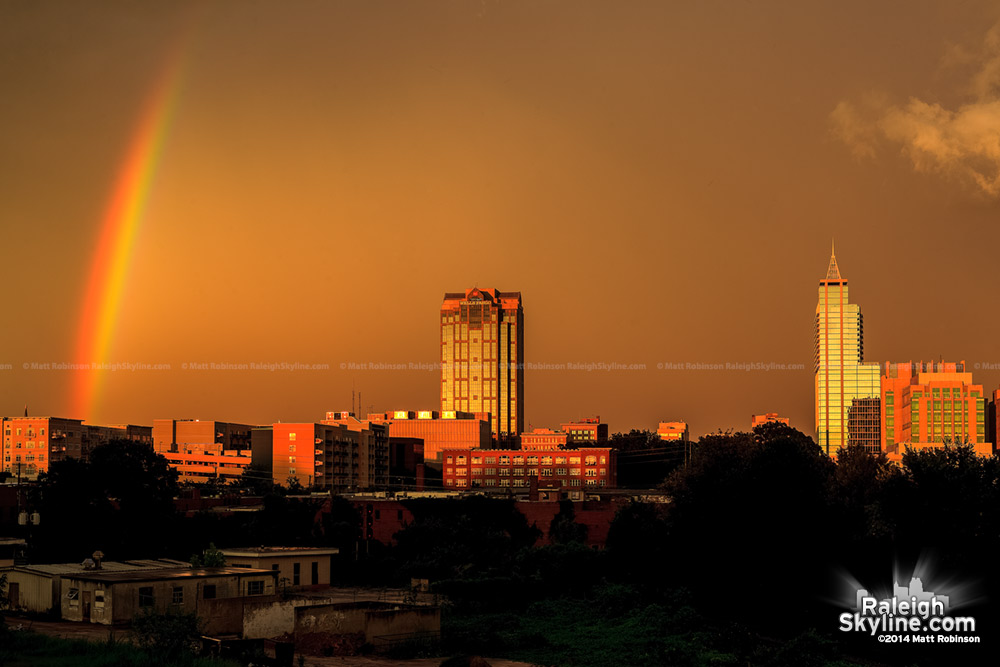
{"x":584,"y":468}
{"x":296,"y":566}
{"x":200,"y":436}
{"x":767,"y":418}
{"x":202,"y":467}
{"x":39,"y":588}
{"x":543,"y":438}
{"x":585,"y":431}
{"x":438,"y":430}
{"x":100,"y":596}
{"x":674,"y":431}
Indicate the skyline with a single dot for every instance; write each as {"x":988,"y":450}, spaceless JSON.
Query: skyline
{"x":660,"y":183}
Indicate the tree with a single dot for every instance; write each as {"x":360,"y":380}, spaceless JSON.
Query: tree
{"x":564,"y":529}
{"x":121,"y":502}
{"x":293,"y":485}
{"x":751,"y":510}
{"x":255,"y":480}
{"x":644,"y":459}
{"x":210,"y":557}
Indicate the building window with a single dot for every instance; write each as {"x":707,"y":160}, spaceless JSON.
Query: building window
{"x":291,"y":437}
{"x":255,"y":588}
{"x":146,"y":596}
{"x":178,"y":596}
{"x":208,"y":592}
{"x":297,"y":568}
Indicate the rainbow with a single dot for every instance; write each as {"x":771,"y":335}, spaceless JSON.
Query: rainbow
{"x":123,"y":217}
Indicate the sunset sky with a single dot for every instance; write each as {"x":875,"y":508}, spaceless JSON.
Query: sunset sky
{"x":303,"y":181}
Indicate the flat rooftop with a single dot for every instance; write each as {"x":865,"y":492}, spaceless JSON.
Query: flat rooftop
{"x":281,"y":551}
{"x":145,"y":565}
{"x":168,"y":575}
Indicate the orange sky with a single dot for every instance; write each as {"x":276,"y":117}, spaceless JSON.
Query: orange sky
{"x":660,"y":181}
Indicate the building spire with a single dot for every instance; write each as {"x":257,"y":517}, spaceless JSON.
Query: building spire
{"x":833,"y":273}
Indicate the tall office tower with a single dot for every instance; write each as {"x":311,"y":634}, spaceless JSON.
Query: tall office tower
{"x":848,"y":405}
{"x":482,"y":356}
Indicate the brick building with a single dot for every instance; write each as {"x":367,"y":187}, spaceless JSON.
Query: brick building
{"x":437,"y":430}
{"x":30,"y":444}
{"x":543,"y":438}
{"x":342,"y":455}
{"x":584,"y":468}
{"x":589,"y":430}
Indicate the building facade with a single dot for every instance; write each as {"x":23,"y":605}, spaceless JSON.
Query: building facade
{"x":108,"y":598}
{"x":200,"y":436}
{"x":296,"y":566}
{"x":30,"y":444}
{"x":337,"y":456}
{"x":847,"y":389}
{"x":767,"y":418}
{"x":199,"y":468}
{"x":437,"y":430}
{"x":543,"y":438}
{"x":482,"y":356}
{"x":584,"y":431}
{"x":674,"y":431}
{"x":586,"y":468}
{"x":926,"y":405}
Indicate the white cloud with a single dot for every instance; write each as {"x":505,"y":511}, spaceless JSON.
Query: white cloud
{"x":961,"y":144}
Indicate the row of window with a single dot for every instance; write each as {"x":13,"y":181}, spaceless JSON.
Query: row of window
{"x":519,"y":483}
{"x":529,"y":460}
{"x":28,"y":445}
{"x":29,"y":434}
{"x":27,"y":457}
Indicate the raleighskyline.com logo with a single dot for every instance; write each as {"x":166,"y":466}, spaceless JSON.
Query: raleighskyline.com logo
{"x":910,"y":615}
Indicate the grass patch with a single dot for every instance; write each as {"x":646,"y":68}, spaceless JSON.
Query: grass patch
{"x":23,"y":649}
{"x":582,"y":633}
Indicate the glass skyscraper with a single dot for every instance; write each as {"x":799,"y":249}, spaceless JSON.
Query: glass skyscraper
{"x":848,"y":391}
{"x":482,"y":356}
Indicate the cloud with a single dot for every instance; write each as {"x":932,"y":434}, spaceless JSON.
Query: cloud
{"x":961,"y":144}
